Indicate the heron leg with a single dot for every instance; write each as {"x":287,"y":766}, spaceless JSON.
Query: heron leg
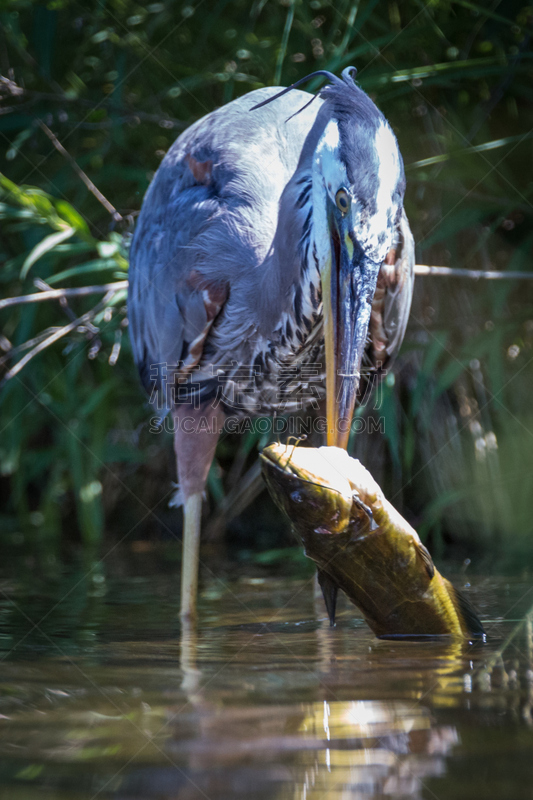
{"x":192,"y":517}
{"x":196,"y":435}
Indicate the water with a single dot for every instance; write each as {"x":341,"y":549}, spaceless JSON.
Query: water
{"x":101,"y":699}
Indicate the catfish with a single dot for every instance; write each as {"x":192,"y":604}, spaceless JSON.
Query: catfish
{"x":362,"y":545}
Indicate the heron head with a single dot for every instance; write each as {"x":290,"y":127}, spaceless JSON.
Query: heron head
{"x":358,"y":188}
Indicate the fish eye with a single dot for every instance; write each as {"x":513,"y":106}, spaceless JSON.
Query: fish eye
{"x":342,"y":198}
{"x":296,"y":497}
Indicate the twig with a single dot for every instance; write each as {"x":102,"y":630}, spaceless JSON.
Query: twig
{"x":115,"y":352}
{"x":472,"y":274}
{"x":81,"y":174}
{"x":55,"y":294}
{"x":420,"y":269}
{"x":20,"y":348}
{"x":54,"y":338}
{"x":63,"y":302}
{"x":9,"y":88}
{"x":5,"y":344}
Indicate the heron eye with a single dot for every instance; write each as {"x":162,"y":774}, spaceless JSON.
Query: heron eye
{"x":342,"y":198}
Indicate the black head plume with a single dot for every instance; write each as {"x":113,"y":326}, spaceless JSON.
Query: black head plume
{"x":346,"y":80}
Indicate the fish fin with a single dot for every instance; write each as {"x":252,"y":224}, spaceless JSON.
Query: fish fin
{"x":356,"y":499}
{"x":329,"y":591}
{"x":423,"y":553}
{"x":468,"y":613}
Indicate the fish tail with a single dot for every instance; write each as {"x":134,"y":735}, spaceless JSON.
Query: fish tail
{"x":466,"y":612}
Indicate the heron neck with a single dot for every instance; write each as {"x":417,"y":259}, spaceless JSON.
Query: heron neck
{"x":291,"y":264}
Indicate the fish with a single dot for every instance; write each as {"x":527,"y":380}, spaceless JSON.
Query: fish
{"x":362,"y":545}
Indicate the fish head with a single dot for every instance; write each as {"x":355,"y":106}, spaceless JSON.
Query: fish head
{"x":310,"y":486}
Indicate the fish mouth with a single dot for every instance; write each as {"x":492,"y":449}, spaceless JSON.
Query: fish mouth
{"x":288,"y":471}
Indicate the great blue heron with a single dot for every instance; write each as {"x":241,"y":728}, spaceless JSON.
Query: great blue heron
{"x":259,"y":247}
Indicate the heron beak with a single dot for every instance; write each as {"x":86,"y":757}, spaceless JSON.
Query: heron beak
{"x":348,"y":285}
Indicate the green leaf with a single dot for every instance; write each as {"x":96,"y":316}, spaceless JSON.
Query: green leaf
{"x":73,"y":218}
{"x":107,"y":249}
{"x":44,"y":246}
{"x":434,"y":351}
{"x":18,"y":142}
{"x":214,"y":482}
{"x":95,"y":398}
{"x":449,"y":375}
{"x":30,"y":772}
{"x":389,"y":413}
{"x":34,"y":200}
{"x":436,"y":507}
{"x":97,"y":265}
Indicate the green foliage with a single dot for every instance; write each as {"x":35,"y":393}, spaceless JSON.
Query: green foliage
{"x":57,"y":416}
{"x":117,"y":82}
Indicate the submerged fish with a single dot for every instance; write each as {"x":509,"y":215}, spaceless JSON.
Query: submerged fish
{"x":362,"y":545}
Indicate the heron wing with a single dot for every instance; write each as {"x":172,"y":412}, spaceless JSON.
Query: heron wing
{"x":205,"y":231}
{"x":171,"y":306}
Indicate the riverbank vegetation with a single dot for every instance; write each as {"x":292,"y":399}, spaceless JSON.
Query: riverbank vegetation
{"x":94,"y":94}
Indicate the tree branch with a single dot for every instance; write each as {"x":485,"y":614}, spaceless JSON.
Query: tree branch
{"x":56,"y":294}
{"x":80,"y":173}
{"x":58,"y":334}
{"x":473,"y":274}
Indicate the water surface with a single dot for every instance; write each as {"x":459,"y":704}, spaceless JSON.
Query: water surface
{"x":103,"y":697}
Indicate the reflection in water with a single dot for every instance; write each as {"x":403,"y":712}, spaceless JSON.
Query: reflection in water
{"x":263,"y":701}
{"x":188,"y":660}
{"x":332,"y":748}
{"x":365,"y":746}
{"x":373,"y":749}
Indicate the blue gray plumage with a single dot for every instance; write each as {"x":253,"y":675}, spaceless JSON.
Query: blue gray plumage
{"x":225,"y":282}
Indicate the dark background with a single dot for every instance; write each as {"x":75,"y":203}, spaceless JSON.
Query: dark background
{"x":116,"y":82}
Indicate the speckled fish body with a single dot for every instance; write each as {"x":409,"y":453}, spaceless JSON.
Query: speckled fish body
{"x":362,"y":545}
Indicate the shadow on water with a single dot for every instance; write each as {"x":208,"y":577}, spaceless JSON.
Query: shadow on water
{"x":103,"y":696}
